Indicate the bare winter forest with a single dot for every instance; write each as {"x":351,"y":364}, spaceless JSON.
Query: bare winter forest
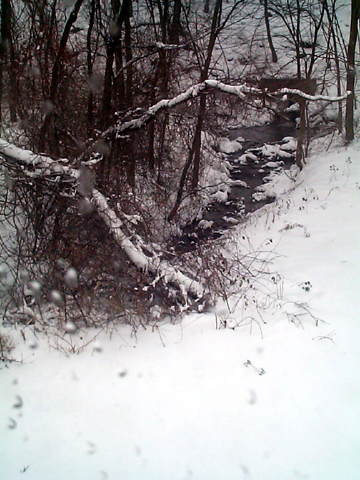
{"x":179,"y":239}
{"x":115,"y":121}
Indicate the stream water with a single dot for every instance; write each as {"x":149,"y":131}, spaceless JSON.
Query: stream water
{"x":221,"y":216}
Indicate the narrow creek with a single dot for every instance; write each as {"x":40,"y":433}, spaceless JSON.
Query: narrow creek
{"x":249,"y":168}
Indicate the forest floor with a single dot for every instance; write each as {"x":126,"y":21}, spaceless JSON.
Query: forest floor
{"x":264,"y":386}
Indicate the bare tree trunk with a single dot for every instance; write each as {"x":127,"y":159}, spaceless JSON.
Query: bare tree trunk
{"x":161,"y":76}
{"x":119,"y":80}
{"x":48,"y":47}
{"x":128,"y":58}
{"x":298,"y":38}
{"x":7,"y":58}
{"x":300,"y":155}
{"x":90,"y":113}
{"x":57,"y":70}
{"x":202,"y":109}
{"x":195,"y":152}
{"x":197,"y":142}
{"x":151,"y":151}
{"x":113,"y":51}
{"x":332,"y":38}
{"x":350,"y":80}
{"x":268,"y":32}
{"x":107,"y":92}
{"x":4,"y":13}
{"x":184,"y":177}
{"x":174,"y":33}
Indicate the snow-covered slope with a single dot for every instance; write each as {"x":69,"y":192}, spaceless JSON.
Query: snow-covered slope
{"x":274,"y":397}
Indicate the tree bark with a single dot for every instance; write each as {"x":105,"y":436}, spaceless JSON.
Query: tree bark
{"x":90,"y":112}
{"x":268,"y":32}
{"x":174,"y":34}
{"x":300,"y":155}
{"x":7,"y":59}
{"x":114,"y":43}
{"x":351,"y":72}
{"x":128,"y":58}
{"x":202,"y":108}
{"x":57,"y":70}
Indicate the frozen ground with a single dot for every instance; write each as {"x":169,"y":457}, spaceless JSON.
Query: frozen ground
{"x":268,"y":401}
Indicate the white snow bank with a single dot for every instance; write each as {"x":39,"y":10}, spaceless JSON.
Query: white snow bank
{"x":273,"y":396}
{"x":289,"y":144}
{"x":228,"y":146}
{"x":273,"y":151}
{"x":204,"y":224}
{"x":243,"y":159}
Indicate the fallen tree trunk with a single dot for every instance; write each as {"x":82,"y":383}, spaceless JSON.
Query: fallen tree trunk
{"x":40,"y":165}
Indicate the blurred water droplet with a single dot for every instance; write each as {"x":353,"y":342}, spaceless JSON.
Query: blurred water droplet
{"x":56,"y":298}
{"x":122,"y":372}
{"x":34,"y":71}
{"x":102,"y":147}
{"x":92,"y":448}
{"x":60,"y":264}
{"x":19,"y":402}
{"x":33,"y":345}
{"x":12,"y":424}
{"x":25,"y":123}
{"x":9,"y":182}
{"x":35,"y":289}
{"x":97,"y":347}
{"x":3,"y":271}
{"x":67,"y":3}
{"x":85,"y":207}
{"x":117,"y":265}
{"x":253,"y":397}
{"x":6,"y":44}
{"x":47,"y":107}
{"x":80,"y":145}
{"x":21,"y":232}
{"x":86,"y":182}
{"x":114,"y":29}
{"x":70,"y":327}
{"x":71,"y":278}
{"x":94,"y":83}
{"x":24,"y":276}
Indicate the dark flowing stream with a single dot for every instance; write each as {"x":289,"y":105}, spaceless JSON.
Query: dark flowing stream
{"x":221,"y":216}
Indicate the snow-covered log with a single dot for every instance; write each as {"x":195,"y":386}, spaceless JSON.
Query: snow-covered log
{"x":41,"y":165}
{"x":240,"y":91}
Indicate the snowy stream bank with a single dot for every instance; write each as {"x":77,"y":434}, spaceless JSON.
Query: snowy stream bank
{"x":254,"y":156}
{"x":187,"y":401}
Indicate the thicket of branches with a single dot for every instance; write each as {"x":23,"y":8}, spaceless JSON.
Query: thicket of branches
{"x":76,"y":74}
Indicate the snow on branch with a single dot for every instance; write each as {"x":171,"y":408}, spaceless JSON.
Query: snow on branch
{"x":138,"y":123}
{"x":42,"y":165}
{"x":238,"y":90}
{"x":311,"y":98}
{"x":194,"y":91}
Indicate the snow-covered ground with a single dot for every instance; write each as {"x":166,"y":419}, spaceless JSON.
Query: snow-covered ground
{"x":273,"y":396}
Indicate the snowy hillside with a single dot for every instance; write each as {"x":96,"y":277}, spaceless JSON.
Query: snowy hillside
{"x":265,"y":387}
